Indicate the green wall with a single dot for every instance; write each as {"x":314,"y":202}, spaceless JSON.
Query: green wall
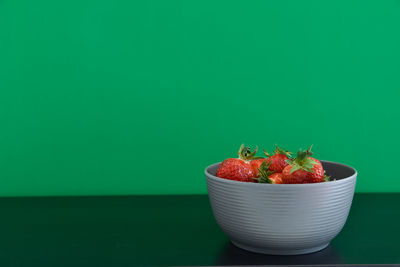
{"x":137,"y":97}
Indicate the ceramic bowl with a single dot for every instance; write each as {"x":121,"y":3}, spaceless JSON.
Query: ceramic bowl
{"x":282,"y":219}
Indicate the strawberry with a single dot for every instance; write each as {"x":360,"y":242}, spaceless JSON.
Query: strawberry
{"x":238,"y":169}
{"x":267,"y":176}
{"x":303,"y":169}
{"x":278,"y":160}
{"x":276,"y":178}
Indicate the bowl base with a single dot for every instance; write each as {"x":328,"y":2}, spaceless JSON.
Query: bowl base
{"x":281,"y":251}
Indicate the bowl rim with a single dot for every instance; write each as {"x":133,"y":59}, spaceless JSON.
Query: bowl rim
{"x":353,"y":176}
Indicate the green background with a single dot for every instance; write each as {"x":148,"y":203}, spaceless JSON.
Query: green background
{"x":138,"y":97}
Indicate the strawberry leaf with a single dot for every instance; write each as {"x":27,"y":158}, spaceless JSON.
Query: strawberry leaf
{"x":328,"y":178}
{"x":245,"y":153}
{"x":266,"y":153}
{"x":302,"y":161}
{"x":308,"y":164}
{"x":279,"y":150}
{"x":264,"y":172}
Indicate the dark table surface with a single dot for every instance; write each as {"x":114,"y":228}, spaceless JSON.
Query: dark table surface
{"x":171,"y":230}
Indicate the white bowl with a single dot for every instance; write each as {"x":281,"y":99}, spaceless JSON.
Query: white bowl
{"x":282,"y":219}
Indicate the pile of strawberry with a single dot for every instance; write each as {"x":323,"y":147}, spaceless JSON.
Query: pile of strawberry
{"x":279,"y":168}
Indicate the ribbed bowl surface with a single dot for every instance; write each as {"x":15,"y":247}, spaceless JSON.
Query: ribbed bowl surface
{"x":285,"y":219}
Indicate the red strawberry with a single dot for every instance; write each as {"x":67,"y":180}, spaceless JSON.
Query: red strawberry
{"x":276,"y":178}
{"x":267,"y":176}
{"x":238,"y":169}
{"x":278,"y":160}
{"x":303,"y":169}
